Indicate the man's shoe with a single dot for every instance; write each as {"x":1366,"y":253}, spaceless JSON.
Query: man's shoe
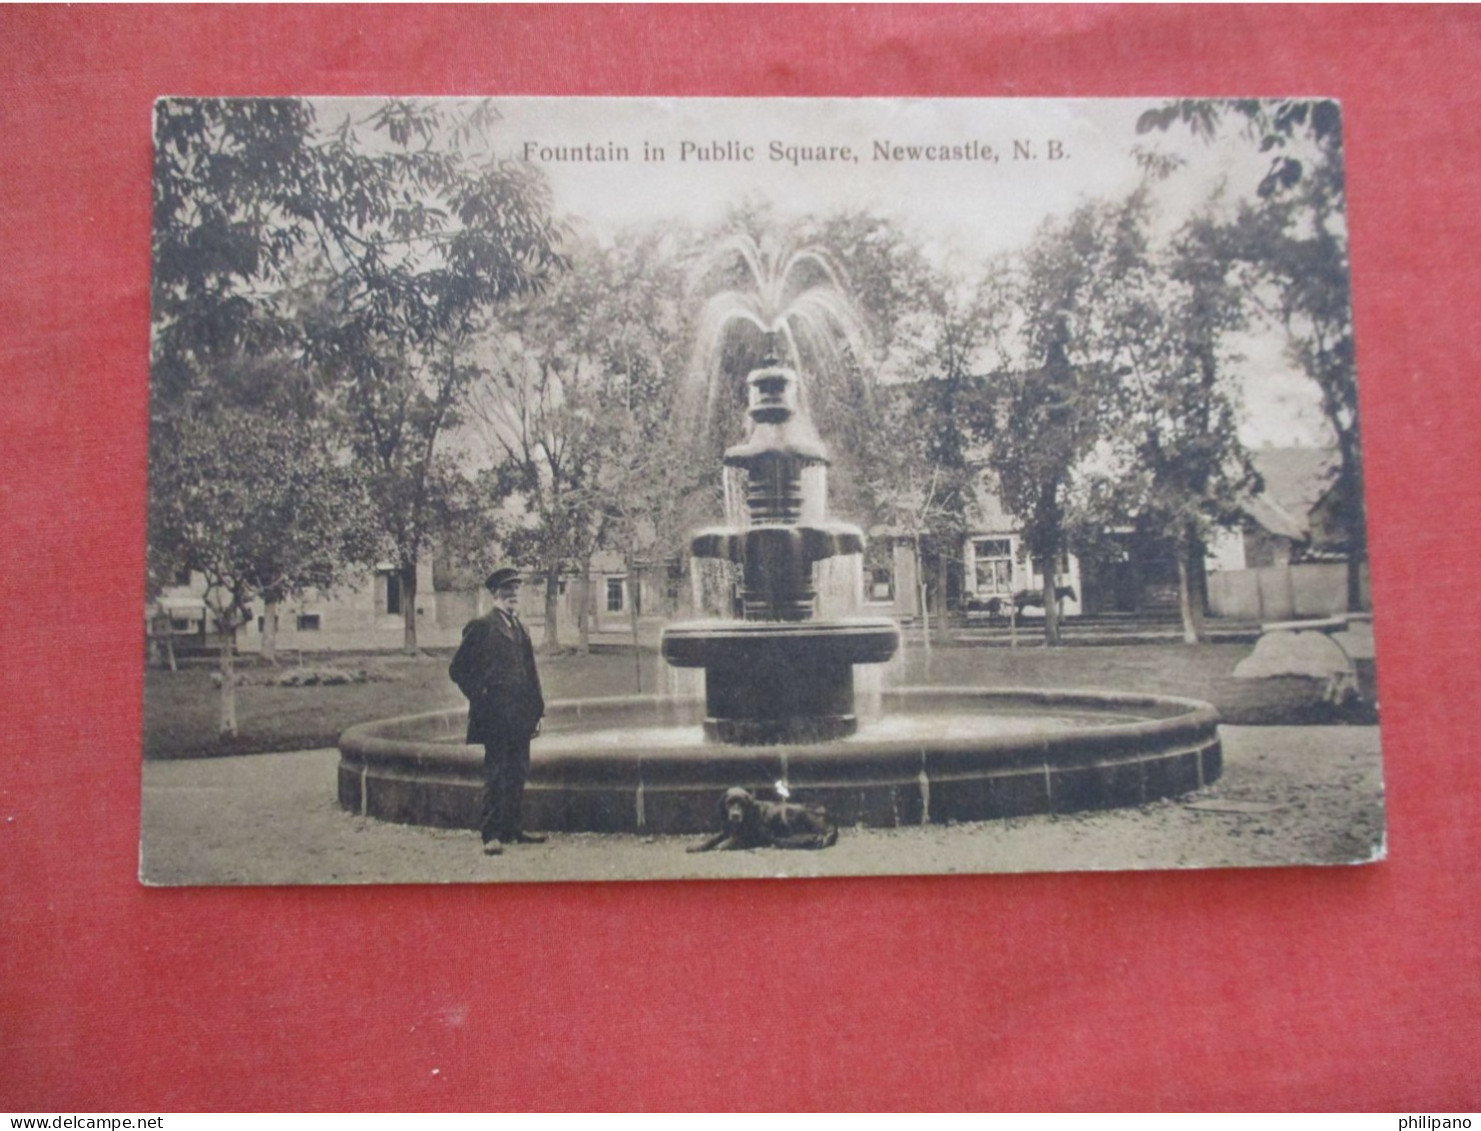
{"x":492,"y":848}
{"x":526,"y":838}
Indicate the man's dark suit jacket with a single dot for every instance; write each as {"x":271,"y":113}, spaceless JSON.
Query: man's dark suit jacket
{"x":495,"y":669}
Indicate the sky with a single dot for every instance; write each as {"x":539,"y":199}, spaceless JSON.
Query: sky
{"x":809,"y":156}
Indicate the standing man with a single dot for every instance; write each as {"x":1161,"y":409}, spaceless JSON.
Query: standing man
{"x":495,"y":669}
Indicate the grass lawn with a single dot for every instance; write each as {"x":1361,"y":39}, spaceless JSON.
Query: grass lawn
{"x":181,"y":709}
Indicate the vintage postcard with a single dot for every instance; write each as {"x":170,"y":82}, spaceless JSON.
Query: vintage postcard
{"x":572,"y":489}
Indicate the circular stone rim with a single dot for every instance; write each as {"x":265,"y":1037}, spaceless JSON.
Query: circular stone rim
{"x":395,"y":770}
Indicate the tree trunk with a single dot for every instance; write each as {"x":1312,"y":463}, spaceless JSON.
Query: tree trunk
{"x":1198,"y":576}
{"x":270,"y":631}
{"x":632,"y":613}
{"x":409,"y":608}
{"x":170,"y":648}
{"x":925,"y":612}
{"x":1189,"y":604}
{"x":1051,"y":600}
{"x":583,"y":610}
{"x":941,"y":592}
{"x":1355,"y":581}
{"x":228,"y":633}
{"x":1352,"y":524}
{"x":552,"y":608}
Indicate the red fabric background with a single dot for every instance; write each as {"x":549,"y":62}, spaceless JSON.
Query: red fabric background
{"x":1287,"y":988}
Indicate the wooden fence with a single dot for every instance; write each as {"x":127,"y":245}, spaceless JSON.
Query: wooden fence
{"x":1311,"y":589}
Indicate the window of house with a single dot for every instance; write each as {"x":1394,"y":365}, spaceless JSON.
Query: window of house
{"x":615,"y":588}
{"x":181,"y":624}
{"x":881,"y":585}
{"x":308,"y":622}
{"x":994,"y":566}
{"x":393,"y":594}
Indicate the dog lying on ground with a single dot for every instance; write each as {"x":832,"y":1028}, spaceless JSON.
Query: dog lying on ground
{"x":750,"y":823}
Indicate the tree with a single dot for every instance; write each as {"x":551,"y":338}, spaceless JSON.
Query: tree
{"x":232,"y":181}
{"x":1052,"y":405}
{"x":1185,"y":471}
{"x":424,"y":234}
{"x":260,"y":507}
{"x":913,"y":494}
{"x":578,"y":407}
{"x":642,"y":480}
{"x":923,"y":460}
{"x":901,"y":302}
{"x":1295,"y":232}
{"x":540,"y":408}
{"x":409,"y":232}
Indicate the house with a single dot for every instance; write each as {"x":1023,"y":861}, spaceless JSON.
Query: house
{"x":370,"y":616}
{"x":996,"y":563}
{"x":1279,"y":562}
{"x":367,"y":616}
{"x":1276,"y":529}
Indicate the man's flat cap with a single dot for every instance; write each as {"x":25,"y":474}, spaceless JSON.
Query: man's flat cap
{"x":501,"y":577}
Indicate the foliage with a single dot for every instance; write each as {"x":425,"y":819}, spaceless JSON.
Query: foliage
{"x":1184,"y":471}
{"x":258,"y":505}
{"x":423,"y":239}
{"x":902,"y":304}
{"x":232,"y":183}
{"x":1296,"y":236}
{"x":1052,"y":406}
{"x":577,"y":406}
{"x":925,"y":460}
{"x":403,"y":239}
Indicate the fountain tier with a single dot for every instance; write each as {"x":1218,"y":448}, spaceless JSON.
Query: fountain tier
{"x":767,"y":683}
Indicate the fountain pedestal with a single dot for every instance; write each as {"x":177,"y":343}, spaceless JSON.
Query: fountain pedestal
{"x":771,"y":683}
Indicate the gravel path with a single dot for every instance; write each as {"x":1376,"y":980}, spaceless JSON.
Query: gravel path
{"x":1289,"y":795}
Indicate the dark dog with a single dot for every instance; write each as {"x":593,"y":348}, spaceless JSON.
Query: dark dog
{"x":769,"y":824}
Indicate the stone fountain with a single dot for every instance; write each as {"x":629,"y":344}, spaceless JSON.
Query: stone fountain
{"x":778,"y":676}
{"x":779,"y":688}
{"x":779,"y":707}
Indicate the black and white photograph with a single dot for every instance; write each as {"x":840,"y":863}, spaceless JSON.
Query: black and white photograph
{"x":570,"y":489}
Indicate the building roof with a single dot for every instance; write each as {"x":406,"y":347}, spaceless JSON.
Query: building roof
{"x":1276,"y":519}
{"x":1295,"y":478}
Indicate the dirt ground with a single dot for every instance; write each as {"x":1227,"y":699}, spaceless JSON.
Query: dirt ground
{"x":1288,"y":795}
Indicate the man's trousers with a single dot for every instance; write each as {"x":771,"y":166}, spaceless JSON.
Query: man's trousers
{"x":506,"y":764}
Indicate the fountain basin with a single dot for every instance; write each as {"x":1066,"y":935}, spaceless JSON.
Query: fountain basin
{"x":642,"y":765}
